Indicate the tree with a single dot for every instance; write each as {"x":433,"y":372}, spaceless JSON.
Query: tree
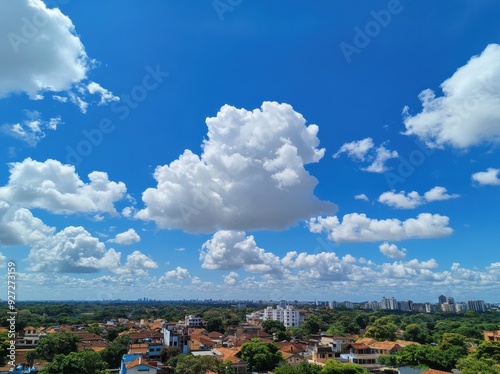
{"x":112,"y":335}
{"x":113,"y":354}
{"x":94,"y":329}
{"x":337,"y":329}
{"x":83,"y":362}
{"x":194,"y":365}
{"x":488,"y":350}
{"x":313,"y":324}
{"x":472,"y":365}
{"x":335,"y":367}
{"x":271,"y":327}
{"x":58,"y":343}
{"x":260,"y":356}
{"x":382,"y":329}
{"x":168,"y":352}
{"x":415,"y":333}
{"x":297,"y":332}
{"x":302,"y":368}
{"x":214,"y":324}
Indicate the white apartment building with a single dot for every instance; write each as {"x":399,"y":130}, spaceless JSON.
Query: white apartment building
{"x":289,"y":316}
{"x":192,"y":320}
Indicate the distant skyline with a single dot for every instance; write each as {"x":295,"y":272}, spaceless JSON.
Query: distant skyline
{"x":250,"y":150}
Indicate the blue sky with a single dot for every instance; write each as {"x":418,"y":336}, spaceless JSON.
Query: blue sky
{"x":250,"y":150}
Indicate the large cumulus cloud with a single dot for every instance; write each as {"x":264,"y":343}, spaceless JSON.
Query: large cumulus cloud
{"x":250,"y":175}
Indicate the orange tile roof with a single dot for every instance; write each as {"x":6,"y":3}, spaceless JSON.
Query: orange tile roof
{"x":136,"y":362}
{"x":432,"y":371}
{"x":387,"y":345}
{"x":404,"y":343}
{"x":230,"y":354}
{"x":366,"y":341}
{"x":291,"y":347}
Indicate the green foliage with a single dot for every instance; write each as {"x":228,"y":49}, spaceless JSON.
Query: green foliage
{"x":58,"y":343}
{"x":302,"y":368}
{"x":94,"y":329}
{"x":260,"y":356}
{"x":83,"y":362}
{"x":451,"y":339}
{"x":112,"y":355}
{"x":272,"y":327}
{"x":335,"y":367}
{"x":195,"y":365}
{"x":168,"y":352}
{"x":337,"y":329}
{"x":472,"y":365}
{"x":416,"y":333}
{"x":313,"y":324}
{"x":488,"y":351}
{"x":382,"y":329}
{"x":426,"y":356}
{"x":214,"y":324}
{"x":297,"y":332}
{"x":112,"y":335}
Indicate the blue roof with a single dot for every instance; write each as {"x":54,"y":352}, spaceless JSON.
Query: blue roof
{"x":130,"y":357}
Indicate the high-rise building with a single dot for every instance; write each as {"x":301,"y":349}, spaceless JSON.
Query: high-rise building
{"x":477,"y":305}
{"x":388,"y":303}
{"x":289,"y":316}
{"x":442,"y":299}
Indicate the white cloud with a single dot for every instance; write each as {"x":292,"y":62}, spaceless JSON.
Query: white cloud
{"x":392,"y":251}
{"x":75,"y":250}
{"x":106,"y":95}
{"x":378,"y":164}
{"x":364,"y":151}
{"x":467,"y":113}
{"x":231,"y":278}
{"x":126,"y":238}
{"x":55,"y":187}
{"x":231,"y":250}
{"x":250,"y":174}
{"x":320,"y":266}
{"x":401,"y":200}
{"x":357,"y":227}
{"x":439,"y":193}
{"x":488,"y":177}
{"x":40,"y":49}
{"x":136,"y":264}
{"x":32,"y":129}
{"x":179,"y":273}
{"x":357,"y":149}
{"x":361,"y":197}
{"x":411,"y":200}
{"x":72,"y":250}
{"x":19,"y":226}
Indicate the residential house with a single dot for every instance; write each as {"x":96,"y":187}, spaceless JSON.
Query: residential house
{"x":192,"y":320}
{"x":29,"y":337}
{"x":292,"y":359}
{"x":361,"y":354}
{"x":321,"y":354}
{"x":492,"y":336}
{"x":135,"y":364}
{"x":233,"y":355}
{"x":385,"y":348}
{"x":176,"y":336}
